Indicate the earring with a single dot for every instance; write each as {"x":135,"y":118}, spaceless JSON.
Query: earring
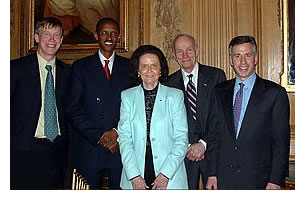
{"x":138,"y":75}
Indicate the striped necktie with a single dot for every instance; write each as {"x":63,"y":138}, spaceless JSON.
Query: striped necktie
{"x":50,"y":116}
{"x":192,"y":96}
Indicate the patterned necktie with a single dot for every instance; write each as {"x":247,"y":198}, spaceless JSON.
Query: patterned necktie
{"x":106,"y":69}
{"x":237,"y":106}
{"x":192,"y":96}
{"x":50,"y":117}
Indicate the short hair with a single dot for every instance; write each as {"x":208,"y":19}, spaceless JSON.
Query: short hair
{"x":238,"y":40}
{"x":106,"y":20}
{"x":148,"y":49}
{"x":48,"y":22}
{"x":184,"y":35}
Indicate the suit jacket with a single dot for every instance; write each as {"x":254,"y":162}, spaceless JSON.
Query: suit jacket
{"x":208,"y":77}
{"x":25,"y":100}
{"x":168,"y":135}
{"x":260,"y":153}
{"x":94,"y":107}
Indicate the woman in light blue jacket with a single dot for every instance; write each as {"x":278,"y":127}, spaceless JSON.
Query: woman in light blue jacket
{"x":153,"y":133}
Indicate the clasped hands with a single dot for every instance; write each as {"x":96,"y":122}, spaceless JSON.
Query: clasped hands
{"x":196,"y":152}
{"x":160,"y":182}
{"x":109,"y":140}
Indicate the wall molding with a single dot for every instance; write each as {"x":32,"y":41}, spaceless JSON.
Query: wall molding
{"x":12,"y":19}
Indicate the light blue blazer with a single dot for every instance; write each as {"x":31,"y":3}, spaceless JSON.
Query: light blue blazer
{"x":168,"y":134}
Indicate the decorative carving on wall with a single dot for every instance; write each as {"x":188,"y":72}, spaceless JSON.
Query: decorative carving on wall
{"x":12,"y":19}
{"x":168,"y":19}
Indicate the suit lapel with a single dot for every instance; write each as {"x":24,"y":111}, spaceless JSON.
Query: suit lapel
{"x":178,"y":81}
{"x":59,"y":90}
{"x":180,"y":85}
{"x":202,"y":86}
{"x":116,"y":69}
{"x":159,"y":106}
{"x":96,"y":69}
{"x":202,"y":92}
{"x":140,"y":107}
{"x":227,"y":103}
{"x":35,"y":76}
{"x":255,"y":99}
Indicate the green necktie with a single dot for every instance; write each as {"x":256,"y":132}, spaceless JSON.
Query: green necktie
{"x":50,"y":117}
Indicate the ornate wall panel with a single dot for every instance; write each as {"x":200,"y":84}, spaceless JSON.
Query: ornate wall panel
{"x":168,"y":20}
{"x":162,"y":21}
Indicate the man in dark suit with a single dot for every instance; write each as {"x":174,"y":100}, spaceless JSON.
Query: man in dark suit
{"x":38,"y":127}
{"x":204,"y":79}
{"x":252,"y":119}
{"x":94,"y":107}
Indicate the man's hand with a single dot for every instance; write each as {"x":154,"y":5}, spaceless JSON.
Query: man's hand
{"x":114,"y":148}
{"x":109,"y":140}
{"x":196,"y":152}
{"x":139,"y":183}
{"x":271,"y":186}
{"x":160,"y":182}
{"x":212,"y":183}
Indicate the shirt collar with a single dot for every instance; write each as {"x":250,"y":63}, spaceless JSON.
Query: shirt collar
{"x":249,"y":82}
{"x":42,"y":62}
{"x":102,"y":58}
{"x":195,"y":72}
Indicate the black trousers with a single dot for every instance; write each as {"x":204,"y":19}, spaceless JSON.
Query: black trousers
{"x":194,"y":170}
{"x":149,"y":171}
{"x":41,"y":168}
{"x":94,"y":176}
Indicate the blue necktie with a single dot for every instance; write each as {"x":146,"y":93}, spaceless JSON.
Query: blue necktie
{"x":192,"y":96}
{"x":238,"y":106}
{"x":50,"y":117}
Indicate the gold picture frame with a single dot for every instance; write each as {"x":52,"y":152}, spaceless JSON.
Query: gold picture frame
{"x":28,"y":21}
{"x":288,"y":35}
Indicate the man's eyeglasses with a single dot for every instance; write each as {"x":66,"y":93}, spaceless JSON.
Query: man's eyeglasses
{"x":106,"y":33}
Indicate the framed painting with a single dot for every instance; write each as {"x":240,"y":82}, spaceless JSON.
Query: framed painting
{"x":288,"y":17}
{"x":79,"y":18}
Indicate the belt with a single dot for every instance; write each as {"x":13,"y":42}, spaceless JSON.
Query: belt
{"x":41,"y":140}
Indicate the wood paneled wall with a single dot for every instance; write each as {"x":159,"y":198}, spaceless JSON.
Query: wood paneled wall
{"x":212,"y":22}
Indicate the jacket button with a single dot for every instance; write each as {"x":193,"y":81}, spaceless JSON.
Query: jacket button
{"x":235,"y":147}
{"x":153,"y":139}
{"x":231,"y":166}
{"x":155,"y":157}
